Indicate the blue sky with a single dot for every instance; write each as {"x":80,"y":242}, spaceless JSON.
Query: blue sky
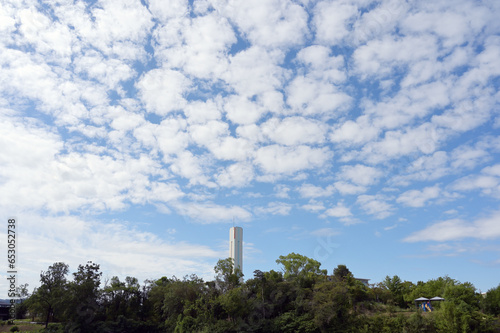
{"x":365,"y":133}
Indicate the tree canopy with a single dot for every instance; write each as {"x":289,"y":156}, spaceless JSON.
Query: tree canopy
{"x":299,"y":298}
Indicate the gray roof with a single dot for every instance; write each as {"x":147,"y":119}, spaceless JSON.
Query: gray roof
{"x":421,"y":299}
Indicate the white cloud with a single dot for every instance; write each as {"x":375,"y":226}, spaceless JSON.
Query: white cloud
{"x":360,"y":174}
{"x":292,"y":131}
{"x":493,"y":170}
{"x":198,"y":112}
{"x":320,"y":65}
{"x":201,"y":45}
{"x":312,"y":191}
{"x":175,"y":8}
{"x":122,"y":105}
{"x":424,"y":138}
{"x":46,"y":178}
{"x":240,"y":110}
{"x":312,"y":97}
{"x":110,"y":72}
{"x":375,"y":205}
{"x":487,"y":182}
{"x":349,"y":188}
{"x":209,"y":133}
{"x":260,"y":69}
{"x":191,"y":167}
{"x":382,"y":57}
{"x":468,"y":157}
{"x":236,"y":175}
{"x":212,"y":213}
{"x":230,"y":148}
{"x":314,"y":206}
{"x":332,"y":20}
{"x":162,"y":90}
{"x":121,"y":250}
{"x":380,"y":20}
{"x":417,"y":198}
{"x":276,"y":159}
{"x":357,"y":132}
{"x":482,"y":228}
{"x":428,"y":167}
{"x":50,"y":38}
{"x":453,"y":26}
{"x":275,"y":208}
{"x":270,"y":23}
{"x":281,"y":191}
{"x":338,"y":211}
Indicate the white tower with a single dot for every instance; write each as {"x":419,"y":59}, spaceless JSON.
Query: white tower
{"x":236,"y":247}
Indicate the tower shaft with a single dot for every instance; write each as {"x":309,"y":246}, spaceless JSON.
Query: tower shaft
{"x":236,"y":246}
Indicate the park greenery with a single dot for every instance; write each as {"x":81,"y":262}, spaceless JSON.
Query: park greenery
{"x":300,"y":297}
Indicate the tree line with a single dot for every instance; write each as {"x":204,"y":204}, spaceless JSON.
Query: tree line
{"x":301,"y":297}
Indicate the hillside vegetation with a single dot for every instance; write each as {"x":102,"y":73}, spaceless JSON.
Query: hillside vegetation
{"x":299,"y":298}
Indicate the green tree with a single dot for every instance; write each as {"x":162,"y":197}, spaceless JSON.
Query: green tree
{"x":462,"y":292}
{"x":341,"y":272}
{"x":49,"y":297}
{"x":297,"y":265}
{"x":178,"y":297}
{"x":83,"y":305}
{"x":491,"y":301}
{"x":332,"y":305}
{"x":122,"y":298}
{"x":398,"y":289}
{"x":227,"y":277}
{"x":429,"y":289}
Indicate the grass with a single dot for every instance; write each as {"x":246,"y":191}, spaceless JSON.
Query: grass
{"x":24,"y":326}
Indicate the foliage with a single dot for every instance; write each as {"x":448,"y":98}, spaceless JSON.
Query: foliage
{"x":227,"y":276}
{"x":296,"y":265}
{"x":53,"y":328}
{"x":300,"y":298}
{"x":398,"y":289}
{"x":48,"y":299}
{"x":491,"y":302}
{"x":341,"y":272}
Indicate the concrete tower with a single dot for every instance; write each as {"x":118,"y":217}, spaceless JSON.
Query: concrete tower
{"x":236,"y":246}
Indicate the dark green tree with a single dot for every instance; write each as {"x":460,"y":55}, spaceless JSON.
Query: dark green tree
{"x":398,"y":290}
{"x":83,"y":305}
{"x":122,"y":298}
{"x":227,"y":277}
{"x":50,"y":297}
{"x":341,"y":272}
{"x":491,"y":301}
{"x":301,"y":270}
{"x":332,"y":305}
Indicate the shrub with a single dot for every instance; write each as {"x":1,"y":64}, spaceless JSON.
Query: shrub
{"x":14,"y":329}
{"x":53,"y":328}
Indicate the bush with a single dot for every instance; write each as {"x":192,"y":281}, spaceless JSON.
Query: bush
{"x":491,"y":301}
{"x":54,"y":328}
{"x":14,"y":329}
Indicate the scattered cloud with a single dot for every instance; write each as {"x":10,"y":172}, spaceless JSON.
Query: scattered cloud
{"x":455,"y":229}
{"x":375,"y":205}
{"x":202,"y":111}
{"x":416,"y":198}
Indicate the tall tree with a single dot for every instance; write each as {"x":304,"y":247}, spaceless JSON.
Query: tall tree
{"x":227,"y":278}
{"x":491,"y":302}
{"x":297,"y":265}
{"x":341,"y":272}
{"x":50,"y":295}
{"x":84,"y":290}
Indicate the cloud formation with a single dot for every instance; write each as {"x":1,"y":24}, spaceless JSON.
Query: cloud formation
{"x":210,"y":111}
